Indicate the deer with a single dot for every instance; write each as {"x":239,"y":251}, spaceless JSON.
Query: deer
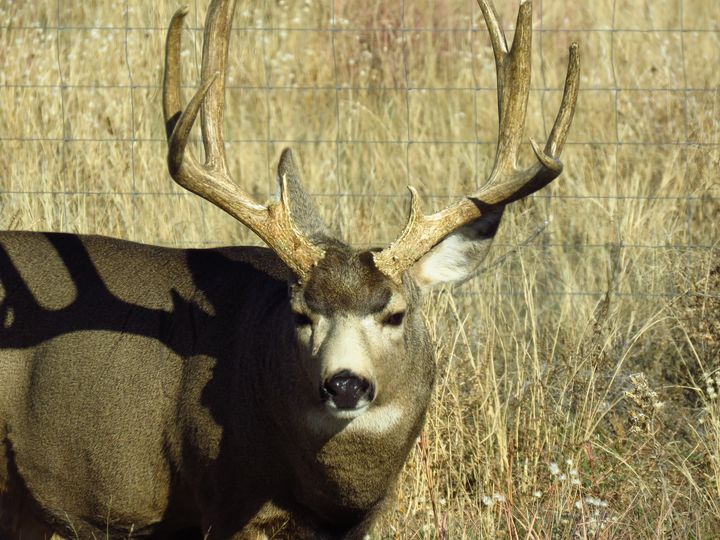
{"x":238,"y":392}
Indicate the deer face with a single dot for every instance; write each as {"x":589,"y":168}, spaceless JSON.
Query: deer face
{"x":362,"y":342}
{"x":360,"y":335}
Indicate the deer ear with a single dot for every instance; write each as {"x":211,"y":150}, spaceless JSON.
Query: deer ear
{"x":302,"y":209}
{"x":457,"y":256}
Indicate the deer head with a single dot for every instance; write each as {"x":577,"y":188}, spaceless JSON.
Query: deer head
{"x":355,"y":310}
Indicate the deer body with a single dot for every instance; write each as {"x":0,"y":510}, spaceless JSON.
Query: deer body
{"x":146,"y":415}
{"x":241,"y":392}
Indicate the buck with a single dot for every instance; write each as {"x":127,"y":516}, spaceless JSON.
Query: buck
{"x":242,"y":392}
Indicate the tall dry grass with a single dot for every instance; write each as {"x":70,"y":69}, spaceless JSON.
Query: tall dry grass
{"x":579,"y":375}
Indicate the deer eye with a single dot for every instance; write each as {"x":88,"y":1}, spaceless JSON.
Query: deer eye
{"x":394,"y":319}
{"x":302,"y":320}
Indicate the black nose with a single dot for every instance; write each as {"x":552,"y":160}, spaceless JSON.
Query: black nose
{"x":346,"y":389}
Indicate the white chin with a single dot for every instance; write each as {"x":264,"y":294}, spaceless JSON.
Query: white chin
{"x":364,"y":419}
{"x":345,"y":414}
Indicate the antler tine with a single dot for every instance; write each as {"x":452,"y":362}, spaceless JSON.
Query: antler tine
{"x":212,"y":100}
{"x":563,"y":120}
{"x":513,"y":79}
{"x":507,"y":183}
{"x":218,"y":22}
{"x":211,"y":180}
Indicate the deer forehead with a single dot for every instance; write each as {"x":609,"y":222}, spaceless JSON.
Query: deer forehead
{"x":349,"y":282}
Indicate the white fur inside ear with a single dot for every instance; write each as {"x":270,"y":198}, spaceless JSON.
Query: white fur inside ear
{"x":445,"y":263}
{"x":457,"y":256}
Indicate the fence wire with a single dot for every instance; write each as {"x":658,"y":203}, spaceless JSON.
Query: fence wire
{"x":393,"y":94}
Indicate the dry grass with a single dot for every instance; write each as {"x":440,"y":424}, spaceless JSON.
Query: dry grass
{"x":578,"y":380}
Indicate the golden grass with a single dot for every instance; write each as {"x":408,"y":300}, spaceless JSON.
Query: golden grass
{"x":578,"y":375}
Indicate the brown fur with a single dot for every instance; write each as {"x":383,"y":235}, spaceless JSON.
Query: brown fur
{"x":160,"y":390}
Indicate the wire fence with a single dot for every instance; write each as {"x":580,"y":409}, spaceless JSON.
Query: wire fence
{"x":377,"y":98}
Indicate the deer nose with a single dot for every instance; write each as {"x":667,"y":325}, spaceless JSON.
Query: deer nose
{"x":346,"y":390}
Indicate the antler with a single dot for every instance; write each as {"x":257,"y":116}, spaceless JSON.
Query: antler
{"x":211,"y":180}
{"x":507,"y":182}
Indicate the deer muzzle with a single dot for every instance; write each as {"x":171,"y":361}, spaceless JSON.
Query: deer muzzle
{"x":347,"y":391}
